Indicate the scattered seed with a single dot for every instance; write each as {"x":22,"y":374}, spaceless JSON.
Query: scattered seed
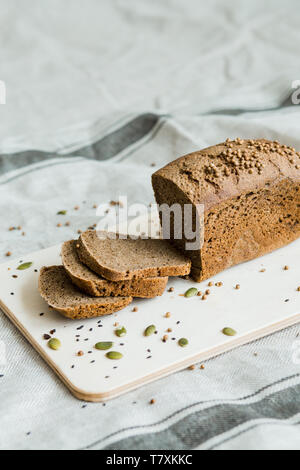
{"x":210,"y":284}
{"x":204,"y":297}
{"x":171,"y":289}
{"x":169,"y":330}
{"x":62,"y":213}
{"x":114,"y":355}
{"x":165,"y":338}
{"x":192,"y":367}
{"x":183,"y":342}
{"x":24,"y":266}
{"x":46,"y":337}
{"x":219,"y":284}
{"x":76,"y":208}
{"x":80,"y":353}
{"x":150,"y":330}
{"x":207,"y":292}
{"x":59,"y":225}
{"x":52,"y":332}
{"x":121,"y":332}
{"x":229,"y":331}
{"x":54,"y":343}
{"x":262,"y":270}
{"x":199,"y":293}
{"x":202,"y":367}
{"x":152,"y":402}
{"x":167,"y":315}
{"x":237,"y":287}
{"x":8,"y":253}
{"x":104,"y":345}
{"x":135,"y":309}
{"x":298,"y":289}
{"x":191,"y":292}
{"x":286,"y":268}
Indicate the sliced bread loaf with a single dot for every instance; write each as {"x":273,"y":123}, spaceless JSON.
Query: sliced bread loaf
{"x":121,"y":259}
{"x":58,"y":291}
{"x":97,"y":286}
{"x":250,"y":194}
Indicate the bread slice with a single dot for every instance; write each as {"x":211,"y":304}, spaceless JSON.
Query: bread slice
{"x":58,"y":291}
{"x":97,"y":286}
{"x":120,"y":259}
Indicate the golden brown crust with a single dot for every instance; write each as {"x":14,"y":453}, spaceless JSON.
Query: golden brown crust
{"x":251,"y":196}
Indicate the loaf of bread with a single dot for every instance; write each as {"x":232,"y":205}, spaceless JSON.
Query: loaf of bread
{"x":95,"y":285}
{"x":250,"y":192}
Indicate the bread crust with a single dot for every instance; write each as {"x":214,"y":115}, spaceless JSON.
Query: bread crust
{"x":250,"y":191}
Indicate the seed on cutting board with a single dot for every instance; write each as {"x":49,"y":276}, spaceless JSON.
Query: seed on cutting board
{"x":54,"y":343}
{"x":121,"y":332}
{"x":61,"y":212}
{"x":8,"y":253}
{"x":165,"y":338}
{"x":24,"y":266}
{"x":183,"y":342}
{"x":229,"y":332}
{"x":150,"y":330}
{"x":286,"y":268}
{"x":219,"y":284}
{"x":80,"y":353}
{"x":210,"y":284}
{"x":199,"y":293}
{"x":171,"y":289}
{"x":298,"y":289}
{"x":202,"y":367}
{"x":192,"y":367}
{"x":237,"y":287}
{"x":167,"y":315}
{"x":207,"y":292}
{"x":104,"y":345}
{"x":152,"y":402}
{"x":114,"y":355}
{"x":204,"y":297}
{"x":46,"y":336}
{"x":191,"y":292}
{"x":135,"y":309}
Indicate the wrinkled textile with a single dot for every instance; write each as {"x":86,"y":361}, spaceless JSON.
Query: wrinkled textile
{"x":98,"y":93}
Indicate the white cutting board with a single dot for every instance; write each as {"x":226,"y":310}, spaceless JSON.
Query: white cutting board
{"x":258,"y":308}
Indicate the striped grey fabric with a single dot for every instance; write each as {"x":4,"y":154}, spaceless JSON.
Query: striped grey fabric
{"x":97,"y":99}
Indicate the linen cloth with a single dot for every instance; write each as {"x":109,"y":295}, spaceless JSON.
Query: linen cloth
{"x":98,"y":92}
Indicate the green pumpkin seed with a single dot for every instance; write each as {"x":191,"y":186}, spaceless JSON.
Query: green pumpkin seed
{"x":183,"y":342}
{"x":121,"y":332}
{"x":191,"y":292}
{"x":62,"y":213}
{"x":114,"y":355}
{"x":229,"y":332}
{"x":24,"y":266}
{"x":104,"y":345}
{"x":54,"y":343}
{"x":150,"y":330}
